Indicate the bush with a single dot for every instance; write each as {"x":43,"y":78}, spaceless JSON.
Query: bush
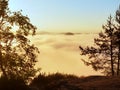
{"x":52,"y":81}
{"x":12,"y":84}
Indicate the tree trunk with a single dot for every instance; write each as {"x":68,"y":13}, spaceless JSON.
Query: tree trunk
{"x":111,"y":55}
{"x":118,"y":63}
{"x":1,"y":66}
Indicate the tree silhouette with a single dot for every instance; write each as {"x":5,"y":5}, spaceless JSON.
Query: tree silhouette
{"x":17,"y":55}
{"x":101,"y":56}
{"x":105,"y":55}
{"x":117,"y":34}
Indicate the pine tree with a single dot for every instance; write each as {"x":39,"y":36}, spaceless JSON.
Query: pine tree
{"x":101,"y":56}
{"x":117,"y":34}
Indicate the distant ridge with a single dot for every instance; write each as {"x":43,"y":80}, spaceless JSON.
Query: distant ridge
{"x":55,"y":33}
{"x":69,"y":33}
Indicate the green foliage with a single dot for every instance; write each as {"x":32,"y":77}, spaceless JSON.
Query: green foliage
{"x":17,"y":55}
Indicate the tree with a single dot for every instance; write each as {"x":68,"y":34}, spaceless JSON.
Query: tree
{"x":101,"y":56}
{"x":17,"y":55}
{"x":117,"y":34}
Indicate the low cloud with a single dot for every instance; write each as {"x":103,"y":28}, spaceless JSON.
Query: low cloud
{"x":60,"y":53}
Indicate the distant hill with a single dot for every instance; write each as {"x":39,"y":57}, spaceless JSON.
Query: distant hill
{"x":69,"y":33}
{"x":54,"y":33}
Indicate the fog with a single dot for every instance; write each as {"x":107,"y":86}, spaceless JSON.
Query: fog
{"x":60,"y":53}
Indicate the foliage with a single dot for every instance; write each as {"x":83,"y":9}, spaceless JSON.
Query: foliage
{"x":52,"y":81}
{"x":105,"y":55}
{"x":117,"y":34}
{"x":17,"y":55}
{"x":101,"y":55}
{"x":60,"y":81}
{"x":12,"y":84}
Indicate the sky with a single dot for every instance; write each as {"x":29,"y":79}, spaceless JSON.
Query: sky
{"x":66,"y":15}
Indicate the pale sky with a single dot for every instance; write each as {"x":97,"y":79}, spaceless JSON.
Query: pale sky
{"x":67,"y":15}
